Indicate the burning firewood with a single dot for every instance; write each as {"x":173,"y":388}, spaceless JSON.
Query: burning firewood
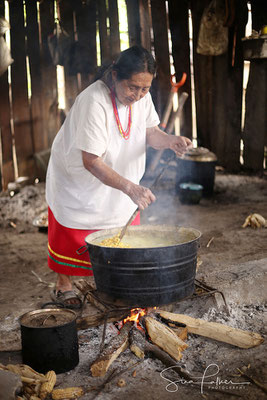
{"x":137,"y":343}
{"x":165,"y":338}
{"x":215,"y":330}
{"x":112,"y":351}
{"x":181,"y":332}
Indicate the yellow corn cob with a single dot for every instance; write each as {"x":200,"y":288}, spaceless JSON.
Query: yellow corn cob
{"x":31,"y":373}
{"x":48,"y":386}
{"x":68,"y":393}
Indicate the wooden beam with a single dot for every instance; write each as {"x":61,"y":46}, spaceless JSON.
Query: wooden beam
{"x":48,"y":73}
{"x":7,"y":172}
{"x":161,"y":46}
{"x":145,"y":24}
{"x":202,"y":80}
{"x":114,"y":28}
{"x":66,"y":17}
{"x":255,"y":134}
{"x":40,"y":139}
{"x":215,"y":330}
{"x":19,"y":85}
{"x":86,"y":30}
{"x":103,"y":33}
{"x":179,"y":27}
{"x":133,"y":22}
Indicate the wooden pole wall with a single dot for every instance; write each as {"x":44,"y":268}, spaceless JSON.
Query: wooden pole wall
{"x":218,"y":91}
{"x":114,"y":28}
{"x":103,"y":32}
{"x":48,"y":72}
{"x":7,"y":168}
{"x":19,"y":86}
{"x":40,"y":140}
{"x":86,"y":29}
{"x":66,"y":16}
{"x":134,"y":29}
{"x":255,"y":129}
{"x":31,"y":123}
{"x":161,"y":47}
{"x":178,"y":18}
{"x":145,"y":24}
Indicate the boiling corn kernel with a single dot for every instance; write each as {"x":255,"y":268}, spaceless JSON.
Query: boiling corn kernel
{"x":113,"y":242}
{"x":68,"y":393}
{"x":48,"y":386}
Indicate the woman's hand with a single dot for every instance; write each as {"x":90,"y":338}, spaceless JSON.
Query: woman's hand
{"x":160,"y":140}
{"x":140,"y":195}
{"x":179,"y":144}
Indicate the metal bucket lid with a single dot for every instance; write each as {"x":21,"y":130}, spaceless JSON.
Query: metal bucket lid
{"x":199,"y":154}
{"x":47,"y":318}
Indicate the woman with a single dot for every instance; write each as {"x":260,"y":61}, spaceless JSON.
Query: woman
{"x":97,"y":161}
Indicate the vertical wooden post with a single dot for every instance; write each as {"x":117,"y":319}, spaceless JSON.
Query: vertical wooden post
{"x":20,"y":101}
{"x":234,"y":94}
{"x":48,"y":72}
{"x":202,"y":80}
{"x":133,"y":22}
{"x":114,"y":28}
{"x":86,"y":29}
{"x":255,"y":132}
{"x":178,"y":19}
{"x":7,"y":170}
{"x":161,"y":46}
{"x":103,"y":33}
{"x":33,"y":50}
{"x":66,"y":17}
{"x":145,"y":24}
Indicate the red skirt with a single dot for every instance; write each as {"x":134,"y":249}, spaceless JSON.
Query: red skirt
{"x":62,"y":245}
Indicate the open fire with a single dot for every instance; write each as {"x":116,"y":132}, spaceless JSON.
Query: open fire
{"x":154,"y":331}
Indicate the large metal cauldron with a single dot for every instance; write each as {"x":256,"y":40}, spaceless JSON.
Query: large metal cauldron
{"x":148,"y":276}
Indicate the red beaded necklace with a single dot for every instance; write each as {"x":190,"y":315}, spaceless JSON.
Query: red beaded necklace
{"x":125,"y":134}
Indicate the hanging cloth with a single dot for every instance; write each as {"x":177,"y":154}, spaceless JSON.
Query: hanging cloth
{"x":213,"y":35}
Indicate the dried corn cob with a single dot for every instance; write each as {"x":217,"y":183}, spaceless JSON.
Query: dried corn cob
{"x":68,"y":393}
{"x":48,"y":386}
{"x":31,"y":373}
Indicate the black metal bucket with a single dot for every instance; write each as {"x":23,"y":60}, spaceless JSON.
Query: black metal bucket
{"x":48,"y":345}
{"x":145,"y":277}
{"x":201,"y":172}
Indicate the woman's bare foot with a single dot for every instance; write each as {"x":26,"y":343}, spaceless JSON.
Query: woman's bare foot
{"x":64,"y":284}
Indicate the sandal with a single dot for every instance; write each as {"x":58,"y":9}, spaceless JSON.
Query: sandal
{"x":63,"y":298}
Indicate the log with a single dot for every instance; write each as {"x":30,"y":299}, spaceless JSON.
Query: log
{"x":215,"y":330}
{"x":112,"y":351}
{"x":137,"y":343}
{"x":181,"y":332}
{"x":88,"y":291}
{"x":140,"y":347}
{"x":165,"y":338}
{"x":96,"y":318}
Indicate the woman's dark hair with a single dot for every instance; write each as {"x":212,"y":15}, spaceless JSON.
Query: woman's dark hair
{"x":131,"y":61}
{"x":134,"y":60}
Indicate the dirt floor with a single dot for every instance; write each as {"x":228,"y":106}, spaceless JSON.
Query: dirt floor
{"x":233,"y":260}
